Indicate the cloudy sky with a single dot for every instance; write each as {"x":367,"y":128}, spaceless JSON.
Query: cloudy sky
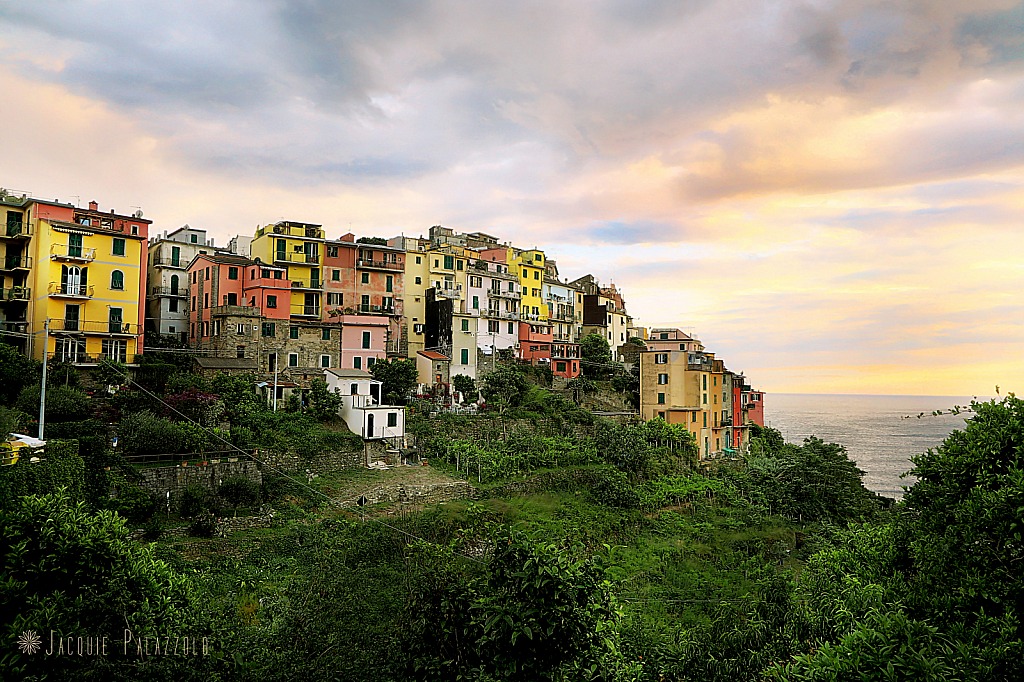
{"x":828,"y":193}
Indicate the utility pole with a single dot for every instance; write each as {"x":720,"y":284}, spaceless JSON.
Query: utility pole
{"x":42,"y":390}
{"x":276,"y":364}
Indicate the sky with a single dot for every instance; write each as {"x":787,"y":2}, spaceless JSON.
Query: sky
{"x":829,"y":194}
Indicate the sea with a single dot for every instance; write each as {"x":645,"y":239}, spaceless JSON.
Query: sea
{"x":874,"y":429}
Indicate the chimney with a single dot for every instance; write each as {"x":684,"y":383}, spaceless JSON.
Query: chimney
{"x":93,"y":206}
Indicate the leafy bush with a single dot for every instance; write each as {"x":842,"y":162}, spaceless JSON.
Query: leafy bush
{"x":323,"y":404}
{"x":145,"y":433}
{"x":204,"y":525}
{"x":132,"y":502}
{"x":63,"y":403}
{"x":466,"y":386}
{"x":153,"y":529}
{"x":193,"y":500}
{"x":239,"y":491}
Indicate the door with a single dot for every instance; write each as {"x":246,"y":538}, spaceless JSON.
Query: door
{"x":369,"y":425}
{"x":114,"y":321}
{"x":71,"y":279}
{"x":174,"y":284}
{"x":176,"y":256}
{"x":311,"y":307}
{"x":71,"y":318}
{"x":74,"y":245}
{"x":375,"y":392}
{"x":282,"y":248}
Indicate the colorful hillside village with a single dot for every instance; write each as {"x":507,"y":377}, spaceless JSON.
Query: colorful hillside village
{"x":291,"y":304}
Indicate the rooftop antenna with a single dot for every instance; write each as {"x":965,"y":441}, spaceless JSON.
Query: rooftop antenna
{"x":78,"y":201}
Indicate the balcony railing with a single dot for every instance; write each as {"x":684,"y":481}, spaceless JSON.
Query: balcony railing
{"x":240,"y":310}
{"x":306,"y":258}
{"x":17,"y":229}
{"x":93,"y":327}
{"x":307,"y":284}
{"x":13,"y":326}
{"x":180,"y":292}
{"x":367,"y":264}
{"x":306,"y":310}
{"x":726,"y":421}
{"x":16,"y":294}
{"x":381,"y":309}
{"x":83,"y":358}
{"x":514,"y":295}
{"x":171,"y":262}
{"x":17,"y":262}
{"x":70,"y":290}
{"x":75,"y":253}
{"x":454,"y":293}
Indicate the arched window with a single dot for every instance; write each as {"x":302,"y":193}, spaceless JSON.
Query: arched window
{"x":117,"y":280}
{"x":174,"y":284}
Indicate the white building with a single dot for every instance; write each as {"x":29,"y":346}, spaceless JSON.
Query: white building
{"x":166,"y":282}
{"x":361,"y":408}
{"x":495,"y":292}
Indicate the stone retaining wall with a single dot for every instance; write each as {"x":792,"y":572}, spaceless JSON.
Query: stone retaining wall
{"x":174,"y":479}
{"x":416,"y":494}
{"x":225,"y":526}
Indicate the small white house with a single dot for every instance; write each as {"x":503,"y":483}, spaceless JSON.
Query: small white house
{"x":361,"y":405}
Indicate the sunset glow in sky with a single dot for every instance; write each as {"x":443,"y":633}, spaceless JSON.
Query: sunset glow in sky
{"x":830,"y":194}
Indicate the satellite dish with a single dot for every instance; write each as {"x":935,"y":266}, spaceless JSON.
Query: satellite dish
{"x":137,"y":214}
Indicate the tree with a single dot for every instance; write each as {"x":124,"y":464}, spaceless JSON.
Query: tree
{"x":323,"y":404}
{"x":63,"y":403}
{"x":241,"y":402}
{"x":595,"y":356}
{"x":581,"y":386}
{"x":75,"y":572}
{"x":377,"y":241}
{"x":466,"y":386}
{"x":111,"y":373}
{"x":16,"y":372}
{"x":398,"y":376}
{"x":505,"y":387}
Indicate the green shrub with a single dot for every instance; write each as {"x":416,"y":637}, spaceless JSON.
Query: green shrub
{"x":239,"y":491}
{"x":153,"y":529}
{"x":145,"y":433}
{"x":204,"y":525}
{"x":193,"y":500}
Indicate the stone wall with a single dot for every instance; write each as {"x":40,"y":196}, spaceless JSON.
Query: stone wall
{"x":416,"y":494}
{"x":174,"y":479}
{"x":320,"y":464}
{"x":225,"y":526}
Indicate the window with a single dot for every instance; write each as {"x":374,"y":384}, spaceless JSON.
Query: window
{"x":232,"y":273}
{"x":135,"y":229}
{"x":332,"y":252}
{"x":366,"y":339}
{"x":475,"y":281}
{"x":449,"y":262}
{"x":705,"y":419}
{"x":206,"y":329}
{"x":370,"y":362}
{"x":392,"y":419}
{"x":193,"y":303}
{"x":353,"y":389}
{"x":705,"y":382}
{"x":117,"y":280}
{"x":492,"y":327}
{"x":293,"y":359}
{"x":419,"y":280}
{"x":705,"y":398}
{"x":511,"y":327}
{"x":559,"y":366}
{"x":206,"y":300}
{"x":682,"y":346}
{"x":458,"y":265}
{"x":715,"y":380}
{"x":536,"y":274}
{"x":207,"y":275}
{"x":232,"y":299}
{"x":279,"y":274}
{"x":240,"y":329}
{"x":661,"y":398}
{"x":366,"y":278}
{"x":172,"y":305}
{"x":325,"y":360}
{"x":417,"y":260}
{"x":465,"y":356}
{"x":118,"y":246}
{"x":293,"y":332}
{"x":357,"y":363}
{"x":114,"y":349}
{"x":525,"y":274}
{"x":390,"y":284}
{"x":268,"y":329}
{"x":265,"y":274}
{"x":465,"y":324}
{"x":435,"y":262}
{"x":240,"y":352}
{"x":325,"y":334}
{"x":271,"y":301}
{"x":335,"y":275}
{"x":661,"y":358}
{"x":662,"y":378}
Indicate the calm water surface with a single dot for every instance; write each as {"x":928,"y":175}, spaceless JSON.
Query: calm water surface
{"x":870,"y":427}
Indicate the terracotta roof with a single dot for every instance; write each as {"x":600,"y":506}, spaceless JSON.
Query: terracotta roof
{"x":431,"y":355}
{"x":350,"y":373}
{"x":226,"y":363}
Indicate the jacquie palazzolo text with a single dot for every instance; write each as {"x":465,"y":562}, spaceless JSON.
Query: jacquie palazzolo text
{"x":97,"y":645}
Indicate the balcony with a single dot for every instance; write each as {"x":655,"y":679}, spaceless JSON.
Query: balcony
{"x":453,"y":293}
{"x":513,"y":295}
{"x":108,"y":328}
{"x":77,"y":254}
{"x":239,"y":310}
{"x":64,"y":290}
{"x":302,"y":258}
{"x":563,"y":316}
{"x":726,"y":421}
{"x":15,"y":294}
{"x":13,"y":326}
{"x":16,"y":263}
{"x":379,"y":265}
{"x":307,"y":284}
{"x":305,"y":311}
{"x":176,"y":292}
{"x":171,"y":262}
{"x":16,"y":230}
{"x":375,"y":309}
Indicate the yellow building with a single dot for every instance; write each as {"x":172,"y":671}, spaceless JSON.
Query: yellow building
{"x":684,"y":387}
{"x":529,"y":265}
{"x":300,"y":248}
{"x":80,"y":273}
{"x":416,"y":282}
